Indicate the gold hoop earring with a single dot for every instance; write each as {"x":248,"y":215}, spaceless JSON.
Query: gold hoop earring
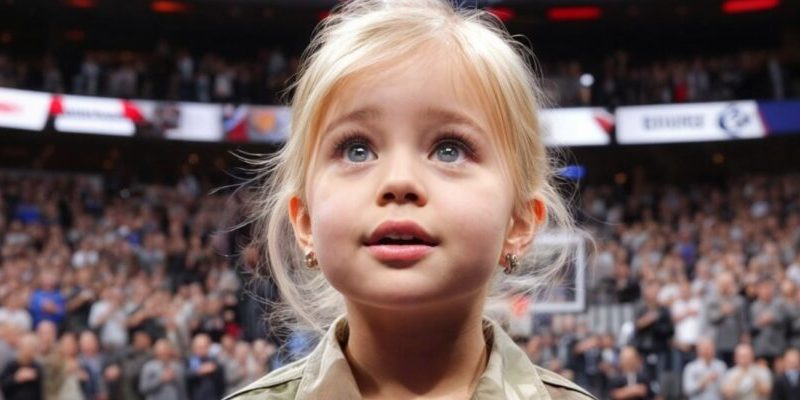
{"x":512,"y":262}
{"x":311,"y":259}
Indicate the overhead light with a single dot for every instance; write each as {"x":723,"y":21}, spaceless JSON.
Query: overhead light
{"x":169,"y":7}
{"x":81,"y":3}
{"x":744,"y":6}
{"x":582,"y":13}
{"x":504,"y":14}
{"x":586,"y":80}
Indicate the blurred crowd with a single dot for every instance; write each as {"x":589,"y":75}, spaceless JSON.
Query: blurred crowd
{"x":166,"y":73}
{"x":137,"y":293}
{"x":711,"y":273}
{"x":170,"y":73}
{"x":121,"y":296}
{"x":621,"y":80}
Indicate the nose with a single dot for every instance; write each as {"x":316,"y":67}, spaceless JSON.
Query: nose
{"x":402,"y":183}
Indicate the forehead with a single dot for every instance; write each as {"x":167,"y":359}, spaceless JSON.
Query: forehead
{"x":445,"y":86}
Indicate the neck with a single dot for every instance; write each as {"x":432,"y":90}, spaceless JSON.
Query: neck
{"x":439,"y":351}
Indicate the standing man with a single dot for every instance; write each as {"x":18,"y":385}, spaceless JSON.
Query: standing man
{"x":726,"y":313}
{"x":205,"y":376}
{"x":702,"y":378}
{"x":747,"y":380}
{"x":22,"y":378}
{"x":162,"y":378}
{"x":787,"y":384}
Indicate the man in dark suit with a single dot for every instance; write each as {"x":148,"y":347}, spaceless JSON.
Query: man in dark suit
{"x":787,"y":384}
{"x":631,"y":383}
{"x":205,"y":378}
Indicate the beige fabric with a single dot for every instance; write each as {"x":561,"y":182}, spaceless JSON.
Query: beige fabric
{"x":326,"y":375}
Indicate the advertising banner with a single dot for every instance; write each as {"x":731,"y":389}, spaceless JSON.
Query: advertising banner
{"x":22,"y":109}
{"x":577,"y":126}
{"x":780,"y":117}
{"x":97,"y":115}
{"x":180,"y":121}
{"x":689,"y":122}
{"x":260,"y":124}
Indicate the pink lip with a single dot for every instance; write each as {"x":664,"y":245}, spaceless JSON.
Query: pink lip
{"x":400,"y":228}
{"x":400,"y":253}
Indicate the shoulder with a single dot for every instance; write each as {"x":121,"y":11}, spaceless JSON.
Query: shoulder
{"x":560,"y":388}
{"x":279,"y":384}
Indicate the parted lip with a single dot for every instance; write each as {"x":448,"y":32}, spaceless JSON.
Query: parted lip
{"x":400,"y":228}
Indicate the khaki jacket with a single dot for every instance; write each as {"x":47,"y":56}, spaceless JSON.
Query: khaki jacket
{"x":326,"y":375}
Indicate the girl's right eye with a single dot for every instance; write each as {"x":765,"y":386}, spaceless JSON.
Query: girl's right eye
{"x":355,"y":150}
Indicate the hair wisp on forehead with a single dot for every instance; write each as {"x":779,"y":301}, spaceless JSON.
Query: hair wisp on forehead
{"x":365,"y":34}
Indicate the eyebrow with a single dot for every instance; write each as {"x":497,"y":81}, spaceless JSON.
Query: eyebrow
{"x":439,"y":114}
{"x":359,"y":115}
{"x":446,"y":116}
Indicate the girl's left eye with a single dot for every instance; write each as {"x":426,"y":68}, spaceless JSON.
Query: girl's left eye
{"x":449,"y":152}
{"x":452,"y":150}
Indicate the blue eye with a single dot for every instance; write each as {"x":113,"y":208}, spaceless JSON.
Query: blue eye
{"x":354,"y":148}
{"x":449,"y":152}
{"x":357,"y":153}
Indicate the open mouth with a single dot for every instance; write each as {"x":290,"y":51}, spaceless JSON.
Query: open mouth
{"x":402,"y":242}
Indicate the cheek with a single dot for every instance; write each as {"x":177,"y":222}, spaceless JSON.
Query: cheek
{"x":333,"y":218}
{"x":477,"y":217}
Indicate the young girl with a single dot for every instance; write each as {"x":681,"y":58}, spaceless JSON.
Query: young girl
{"x":412,"y":185}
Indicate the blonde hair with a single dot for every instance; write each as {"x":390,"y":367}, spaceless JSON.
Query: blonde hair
{"x":363,"y":34}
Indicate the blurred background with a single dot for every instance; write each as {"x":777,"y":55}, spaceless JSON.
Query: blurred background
{"x":678,"y":121}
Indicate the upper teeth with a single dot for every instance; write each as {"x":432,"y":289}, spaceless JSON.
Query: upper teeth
{"x":400,"y":237}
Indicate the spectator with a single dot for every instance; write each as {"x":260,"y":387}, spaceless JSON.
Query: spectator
{"x":206,"y":377}
{"x":62,"y":371}
{"x":22,"y":379}
{"x":702,"y":377}
{"x":47,"y":336}
{"x":108,"y":317}
{"x":631,"y":383}
{"x":93,"y":362}
{"x":163,"y":377}
{"x":747,"y":380}
{"x":769,"y":327}
{"x":727,"y":314}
{"x":47,"y":303}
{"x":653,"y":330}
{"x":686,"y":316}
{"x":14,"y":313}
{"x":787,"y":384}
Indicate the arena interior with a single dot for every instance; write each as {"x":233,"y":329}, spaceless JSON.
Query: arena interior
{"x":122,"y":130}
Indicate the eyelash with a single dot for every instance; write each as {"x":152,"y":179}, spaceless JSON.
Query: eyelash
{"x":451,"y":137}
{"x":348,"y":140}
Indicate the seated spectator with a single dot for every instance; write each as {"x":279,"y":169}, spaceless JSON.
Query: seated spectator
{"x":22,"y":379}
{"x":702,"y":377}
{"x":747,"y":380}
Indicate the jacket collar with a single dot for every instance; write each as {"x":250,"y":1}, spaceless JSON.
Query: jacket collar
{"x":509,"y":374}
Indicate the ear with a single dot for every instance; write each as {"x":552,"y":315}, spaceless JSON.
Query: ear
{"x":523,"y":225}
{"x":301,"y":222}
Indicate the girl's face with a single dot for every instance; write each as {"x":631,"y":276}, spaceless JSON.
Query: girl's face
{"x":408,"y":203}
